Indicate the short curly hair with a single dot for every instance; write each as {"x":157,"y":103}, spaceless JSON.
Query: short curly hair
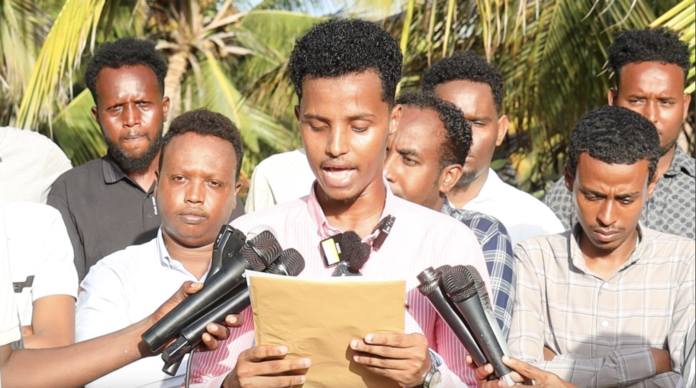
{"x":456,"y":146}
{"x":126,"y":52}
{"x":345,"y":46}
{"x":205,"y":123}
{"x":648,"y":45}
{"x":465,"y":66}
{"x":614,"y":135}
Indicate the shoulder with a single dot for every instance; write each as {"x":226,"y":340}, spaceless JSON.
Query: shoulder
{"x":29,"y":139}
{"x":75,"y":174}
{"x":132,"y":261}
{"x":284,"y":160}
{"x":275,"y":216}
{"x":543,"y":248}
{"x":430,"y":223}
{"x":668,"y":246}
{"x":479,"y":221}
{"x":34,"y":213}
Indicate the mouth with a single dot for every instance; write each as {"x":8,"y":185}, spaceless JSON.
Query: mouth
{"x":134,"y":137}
{"x":606,"y":235}
{"x":193,"y":217}
{"x":338,"y":176}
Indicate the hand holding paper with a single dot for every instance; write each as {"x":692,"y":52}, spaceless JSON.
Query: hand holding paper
{"x":403,"y":358}
{"x":260,"y":366}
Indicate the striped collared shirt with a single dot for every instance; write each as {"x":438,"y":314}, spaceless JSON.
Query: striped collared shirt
{"x":420,"y":238}
{"x":497,"y":249}
{"x":602,"y":329}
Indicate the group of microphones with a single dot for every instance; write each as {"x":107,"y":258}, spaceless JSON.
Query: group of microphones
{"x":225,"y":290}
{"x":459,"y":296}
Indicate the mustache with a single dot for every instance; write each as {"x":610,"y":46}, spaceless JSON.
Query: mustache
{"x":599,"y":229}
{"x":135,"y":134}
{"x":193,"y":212}
{"x":337,"y":164}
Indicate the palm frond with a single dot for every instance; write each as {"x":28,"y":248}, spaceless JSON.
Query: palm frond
{"x":76,"y":131}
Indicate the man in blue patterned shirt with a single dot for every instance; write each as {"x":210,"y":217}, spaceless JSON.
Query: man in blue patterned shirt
{"x":424,"y":161}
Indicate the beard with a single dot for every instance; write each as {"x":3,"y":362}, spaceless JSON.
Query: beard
{"x":135,"y":165}
{"x":667,"y":147}
{"x":468,"y":176}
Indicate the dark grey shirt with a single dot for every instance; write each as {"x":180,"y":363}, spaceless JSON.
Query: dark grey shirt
{"x":671,"y":208}
{"x":105,"y":211}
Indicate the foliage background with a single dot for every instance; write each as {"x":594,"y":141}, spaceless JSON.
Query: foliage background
{"x":231,"y":56}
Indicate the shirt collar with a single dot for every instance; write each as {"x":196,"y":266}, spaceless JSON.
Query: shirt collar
{"x":112,"y":171}
{"x":168,"y":262}
{"x":490,"y":187}
{"x":578,"y":260}
{"x":326,"y":230}
{"x":681,"y":162}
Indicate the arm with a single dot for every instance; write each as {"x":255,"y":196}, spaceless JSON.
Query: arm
{"x":58,"y":199}
{"x":55,"y":164}
{"x":53,"y":322}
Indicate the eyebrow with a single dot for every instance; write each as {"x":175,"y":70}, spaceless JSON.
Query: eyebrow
{"x":359,"y":116}
{"x":479,"y":118}
{"x":622,"y":195}
{"x":407,"y":152}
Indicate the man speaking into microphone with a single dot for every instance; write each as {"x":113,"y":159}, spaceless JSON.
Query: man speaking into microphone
{"x":345,"y":74}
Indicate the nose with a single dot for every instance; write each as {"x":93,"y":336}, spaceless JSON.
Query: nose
{"x":131,"y":115}
{"x":651,"y":111}
{"x":607,"y":213}
{"x":338,"y":141}
{"x":195,"y":192}
{"x":389,"y":168}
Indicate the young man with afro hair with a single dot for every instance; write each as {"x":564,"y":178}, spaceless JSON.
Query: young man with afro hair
{"x":108,"y":203}
{"x":476,"y":87}
{"x":345,"y":74}
{"x":608,"y":303}
{"x":650,"y":66}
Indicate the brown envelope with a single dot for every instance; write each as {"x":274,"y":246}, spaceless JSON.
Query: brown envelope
{"x":318,"y":319}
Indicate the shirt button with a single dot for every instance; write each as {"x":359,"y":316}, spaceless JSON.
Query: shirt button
{"x":605,"y":286}
{"x":605,"y":323}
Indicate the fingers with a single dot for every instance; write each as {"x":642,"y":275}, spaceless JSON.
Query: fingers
{"x":395,"y":340}
{"x":272,"y":381}
{"x":234,"y":320}
{"x":263,"y":366}
{"x":523,"y":368}
{"x":481,"y":373}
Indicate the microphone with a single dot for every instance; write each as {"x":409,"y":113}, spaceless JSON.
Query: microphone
{"x":356,"y":254}
{"x":290,"y":263}
{"x":430,"y":288}
{"x":257,"y":254}
{"x":462,"y":291}
{"x":228,"y":242}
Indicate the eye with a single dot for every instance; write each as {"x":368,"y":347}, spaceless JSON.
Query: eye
{"x":316,"y":129}
{"x":356,"y":129}
{"x":215,"y":183}
{"x":178,"y":178}
{"x":590,"y":197}
{"x":409,"y":161}
{"x":626,"y":201}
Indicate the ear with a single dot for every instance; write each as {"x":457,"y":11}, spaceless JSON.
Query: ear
{"x":687,"y":102}
{"x":157,"y":181}
{"x":449,"y":176}
{"x":612,"y":96}
{"x":95,"y":114}
{"x":165,"y":109}
{"x":569,"y":179}
{"x":237,"y":187}
{"x":396,"y":112}
{"x":503,"y":124}
{"x":297,"y":112}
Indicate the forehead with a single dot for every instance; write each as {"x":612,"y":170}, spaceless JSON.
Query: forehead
{"x":419,"y":129}
{"x":467,"y":95}
{"x":140,"y":75}
{"x":654,"y":76}
{"x":343,"y":95}
{"x":194,"y":150}
{"x":603,"y":177}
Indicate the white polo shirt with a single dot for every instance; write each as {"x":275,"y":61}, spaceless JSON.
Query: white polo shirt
{"x":122,"y":289}
{"x":9,"y":323}
{"x":41,"y":255}
{"x":523,"y":215}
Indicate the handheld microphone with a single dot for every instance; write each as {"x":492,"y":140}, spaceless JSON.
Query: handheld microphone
{"x":430,"y":288}
{"x":290,"y":263}
{"x":356,"y":254}
{"x":462,"y":291}
{"x":257,"y":254}
{"x":228,"y":242}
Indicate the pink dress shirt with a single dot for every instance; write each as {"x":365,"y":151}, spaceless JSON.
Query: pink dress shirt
{"x":420,"y":238}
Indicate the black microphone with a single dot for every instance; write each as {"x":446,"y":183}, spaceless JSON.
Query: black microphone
{"x":228,"y":242}
{"x":257,"y":254}
{"x":290,"y":263}
{"x":355,"y":254}
{"x":462,"y":291}
{"x":430,"y":288}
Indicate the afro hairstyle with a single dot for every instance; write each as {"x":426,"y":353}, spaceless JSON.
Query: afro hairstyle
{"x":465,"y":66}
{"x":614,"y":135}
{"x":205,"y":123}
{"x":648,"y":45}
{"x":456,"y":146}
{"x":126,"y":52}
{"x":347,"y":46}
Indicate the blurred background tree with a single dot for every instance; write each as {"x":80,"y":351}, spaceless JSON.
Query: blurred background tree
{"x":231,"y":56}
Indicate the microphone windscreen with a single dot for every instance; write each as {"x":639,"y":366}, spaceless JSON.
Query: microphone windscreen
{"x":474,"y":275}
{"x":258,"y":229}
{"x":261,"y":250}
{"x":355,"y":250}
{"x":456,"y":283}
{"x":290,"y":261}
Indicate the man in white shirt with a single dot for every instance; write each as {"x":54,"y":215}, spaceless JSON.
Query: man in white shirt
{"x":279,"y":178}
{"x":43,"y":273}
{"x":195,"y":190}
{"x":476,"y":87}
{"x":29,"y":164}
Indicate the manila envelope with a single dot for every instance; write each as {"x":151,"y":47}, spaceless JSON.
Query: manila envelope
{"x":319,"y":318}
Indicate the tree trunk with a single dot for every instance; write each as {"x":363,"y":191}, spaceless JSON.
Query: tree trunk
{"x":178,"y":62}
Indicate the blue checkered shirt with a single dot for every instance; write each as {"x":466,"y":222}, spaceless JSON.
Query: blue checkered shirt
{"x":497,"y":249}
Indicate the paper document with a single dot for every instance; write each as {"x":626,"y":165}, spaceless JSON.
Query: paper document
{"x":319,"y":318}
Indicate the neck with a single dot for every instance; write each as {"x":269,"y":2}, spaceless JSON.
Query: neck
{"x":196,"y":260}
{"x":460,"y":196}
{"x":145,"y":178}
{"x":602,"y":262}
{"x":665,"y":162}
{"x":437,"y":205}
{"x":360,"y":215}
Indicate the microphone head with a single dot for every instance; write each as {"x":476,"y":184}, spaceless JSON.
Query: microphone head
{"x":261,"y":250}
{"x":457,"y":283}
{"x":356,"y":251}
{"x":290,"y":263}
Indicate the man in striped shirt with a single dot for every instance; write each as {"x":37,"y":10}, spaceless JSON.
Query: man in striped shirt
{"x":609,"y":302}
{"x":345,"y":73}
{"x":425,"y":159}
